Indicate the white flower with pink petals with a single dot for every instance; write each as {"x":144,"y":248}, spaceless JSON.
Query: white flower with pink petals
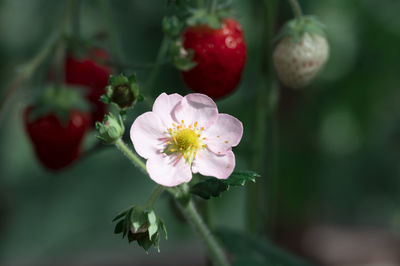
{"x":185,"y":135}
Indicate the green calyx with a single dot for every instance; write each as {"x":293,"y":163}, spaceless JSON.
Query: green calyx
{"x":59,"y":101}
{"x":214,"y":18}
{"x":296,"y":28}
{"x":111,"y":129}
{"x":123,"y":92}
{"x":141,"y":225}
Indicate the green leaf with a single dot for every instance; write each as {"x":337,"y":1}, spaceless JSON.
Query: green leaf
{"x":213,"y":187}
{"x":241,"y":177}
{"x":210,"y":188}
{"x":251,"y":250}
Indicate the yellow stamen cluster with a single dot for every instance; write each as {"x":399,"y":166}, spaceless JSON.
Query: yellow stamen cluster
{"x":185,"y":140}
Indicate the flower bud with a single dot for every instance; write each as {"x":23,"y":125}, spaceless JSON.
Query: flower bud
{"x":123,"y":92}
{"x":111,"y":129}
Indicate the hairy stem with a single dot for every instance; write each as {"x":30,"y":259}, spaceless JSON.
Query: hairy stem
{"x":211,"y":6}
{"x":130,"y":155}
{"x":189,"y":210}
{"x":106,"y":10}
{"x":296,"y":8}
{"x":159,"y":60}
{"x":154,"y":196}
{"x":215,"y":250}
{"x":264,"y":106}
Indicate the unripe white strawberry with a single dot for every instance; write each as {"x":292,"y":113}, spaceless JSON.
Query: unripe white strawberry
{"x":301,"y":53}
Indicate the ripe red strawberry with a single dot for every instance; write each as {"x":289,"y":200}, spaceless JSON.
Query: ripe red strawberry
{"x":87,"y":72}
{"x":220,"y":55}
{"x":56,"y":144}
{"x":301,"y":52}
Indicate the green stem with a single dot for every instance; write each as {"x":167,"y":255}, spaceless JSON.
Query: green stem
{"x":215,"y":250}
{"x":29,"y":68}
{"x":76,"y":18}
{"x":111,"y":30}
{"x":159,"y":59}
{"x":296,"y":9}
{"x":154,"y":196}
{"x":130,"y":155}
{"x":264,"y":106}
{"x":200,"y":3}
{"x":211,"y":6}
{"x":189,"y":210}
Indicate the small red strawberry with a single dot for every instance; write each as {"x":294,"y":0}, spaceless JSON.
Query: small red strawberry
{"x":301,"y":52}
{"x":220,"y":55}
{"x":87,"y":72}
{"x":56,"y":128}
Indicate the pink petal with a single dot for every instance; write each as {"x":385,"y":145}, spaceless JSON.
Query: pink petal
{"x":225,"y":133}
{"x":163,"y":106}
{"x":148,"y":135}
{"x":208,"y":163}
{"x":169,"y":170}
{"x":198,"y":108}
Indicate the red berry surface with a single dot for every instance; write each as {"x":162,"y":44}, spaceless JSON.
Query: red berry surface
{"x":87,"y":72}
{"x":57,"y":144}
{"x":220,"y":55}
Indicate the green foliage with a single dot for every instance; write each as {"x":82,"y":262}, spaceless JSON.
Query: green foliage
{"x":141,"y":225}
{"x":255,"y":251}
{"x":213,"y":187}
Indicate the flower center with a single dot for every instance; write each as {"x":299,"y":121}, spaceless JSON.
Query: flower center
{"x":185,"y":141}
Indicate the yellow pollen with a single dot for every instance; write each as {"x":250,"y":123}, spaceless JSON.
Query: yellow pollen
{"x":226,"y":141}
{"x":202,"y":128}
{"x":186,"y":138}
{"x":183,"y":122}
{"x":218,"y":136}
{"x":186,"y":141}
{"x":195,"y":124}
{"x":173,"y":125}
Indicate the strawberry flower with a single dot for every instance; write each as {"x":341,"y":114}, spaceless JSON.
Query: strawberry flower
{"x":185,"y":135}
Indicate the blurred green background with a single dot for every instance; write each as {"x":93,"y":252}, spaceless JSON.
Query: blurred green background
{"x":339,"y":142}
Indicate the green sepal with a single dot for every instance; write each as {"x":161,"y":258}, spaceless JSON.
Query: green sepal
{"x":122,"y":92}
{"x":111,"y":129}
{"x":59,"y":101}
{"x":201,"y":16}
{"x":141,"y":225}
{"x":213,"y":187}
{"x":296,"y":28}
{"x":172,"y":26}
